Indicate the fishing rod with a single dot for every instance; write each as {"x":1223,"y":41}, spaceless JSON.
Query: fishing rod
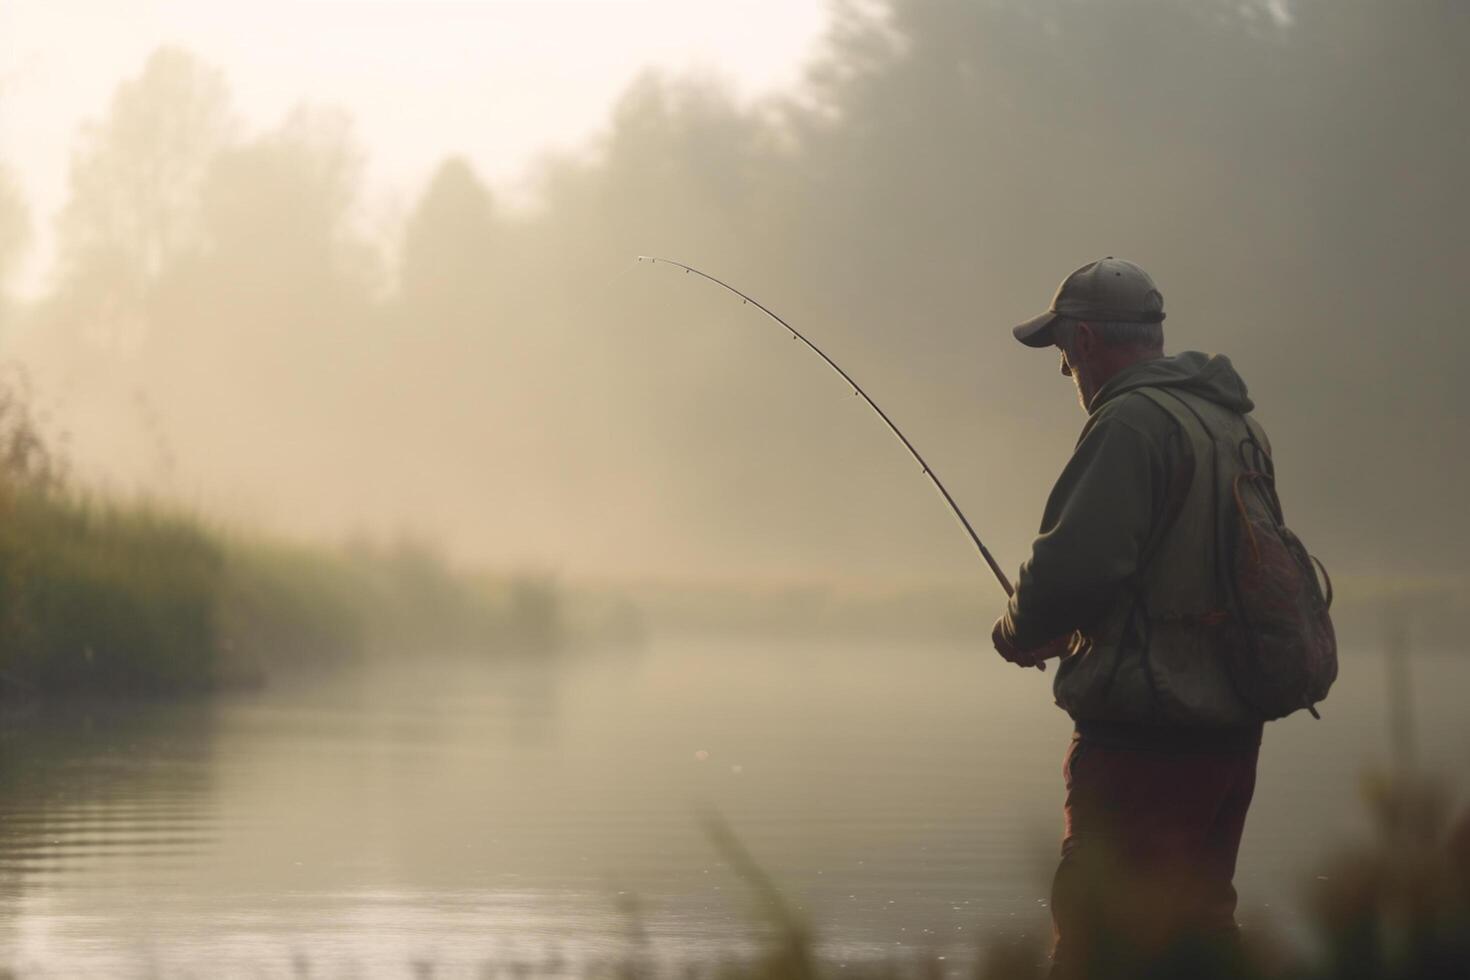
{"x":857,"y":389}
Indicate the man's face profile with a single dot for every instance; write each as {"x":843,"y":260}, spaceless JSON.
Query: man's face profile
{"x":1073,"y":368}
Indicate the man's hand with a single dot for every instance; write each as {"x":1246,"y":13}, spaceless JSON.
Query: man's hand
{"x":1028,"y":658}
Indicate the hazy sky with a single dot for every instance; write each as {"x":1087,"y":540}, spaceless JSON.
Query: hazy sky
{"x":522,"y":391}
{"x":497,"y":80}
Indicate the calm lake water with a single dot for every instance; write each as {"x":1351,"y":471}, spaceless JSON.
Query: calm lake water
{"x":464,"y":814}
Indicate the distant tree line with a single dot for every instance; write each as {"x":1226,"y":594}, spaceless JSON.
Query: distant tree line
{"x":1294,"y":178}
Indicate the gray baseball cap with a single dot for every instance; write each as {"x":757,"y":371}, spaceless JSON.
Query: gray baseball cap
{"x":1108,"y":289}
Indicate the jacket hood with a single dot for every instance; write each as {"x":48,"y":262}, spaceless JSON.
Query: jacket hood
{"x":1209,"y":376}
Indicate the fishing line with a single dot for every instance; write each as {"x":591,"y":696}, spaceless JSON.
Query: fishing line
{"x":857,"y":390}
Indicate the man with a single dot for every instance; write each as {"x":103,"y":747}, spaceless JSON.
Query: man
{"x":1126,"y":583}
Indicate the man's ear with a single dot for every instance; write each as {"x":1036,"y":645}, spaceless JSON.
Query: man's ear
{"x":1084,"y":339}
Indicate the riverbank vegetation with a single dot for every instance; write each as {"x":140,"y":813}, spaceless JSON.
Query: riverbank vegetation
{"x":103,"y":596}
{"x":109,"y":598}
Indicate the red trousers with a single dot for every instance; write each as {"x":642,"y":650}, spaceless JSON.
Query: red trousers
{"x":1148,"y":855}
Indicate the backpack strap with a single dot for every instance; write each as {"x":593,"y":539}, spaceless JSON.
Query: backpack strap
{"x":1158,"y":396}
{"x":1224,"y":581}
{"x":1255,"y":455}
{"x":1139,"y":619}
{"x":1180,"y":481}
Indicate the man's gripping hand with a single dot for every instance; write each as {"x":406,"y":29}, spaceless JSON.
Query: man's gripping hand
{"x":1027,"y":658}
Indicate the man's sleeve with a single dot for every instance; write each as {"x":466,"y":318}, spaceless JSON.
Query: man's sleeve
{"x":1097,"y":523}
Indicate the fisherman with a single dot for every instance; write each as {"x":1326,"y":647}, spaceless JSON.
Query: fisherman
{"x":1124,"y":585}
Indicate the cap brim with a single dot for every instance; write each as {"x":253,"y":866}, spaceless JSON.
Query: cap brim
{"x":1036,"y":332}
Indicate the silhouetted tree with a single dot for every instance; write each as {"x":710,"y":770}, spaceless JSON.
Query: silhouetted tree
{"x":134,"y":200}
{"x":265,"y":326}
{"x":448,"y":246}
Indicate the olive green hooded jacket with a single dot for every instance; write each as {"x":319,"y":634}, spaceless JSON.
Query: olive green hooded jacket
{"x":1117,"y":497}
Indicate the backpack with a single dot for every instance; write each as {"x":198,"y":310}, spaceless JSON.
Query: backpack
{"x":1275,"y":635}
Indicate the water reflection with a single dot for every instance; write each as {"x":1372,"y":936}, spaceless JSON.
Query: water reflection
{"x":99,"y":799}
{"x":83,"y":787}
{"x":462,"y":812}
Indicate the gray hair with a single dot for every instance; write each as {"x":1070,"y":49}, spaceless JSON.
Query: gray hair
{"x":1114,"y":333}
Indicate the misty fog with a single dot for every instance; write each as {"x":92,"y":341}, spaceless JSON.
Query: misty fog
{"x":392,"y":576}
{"x":229,"y":324}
